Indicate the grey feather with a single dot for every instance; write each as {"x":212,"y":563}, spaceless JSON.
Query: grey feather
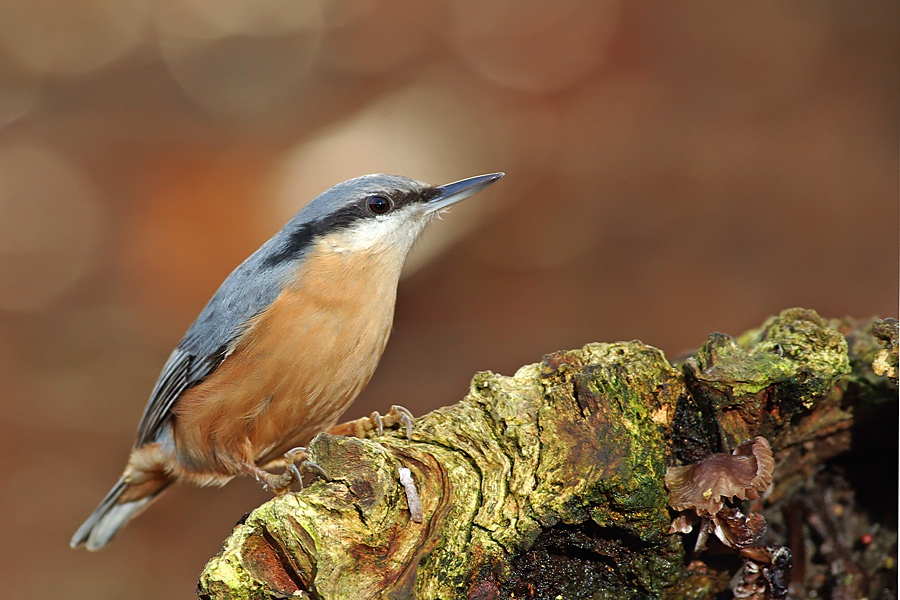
{"x":114,"y":520}
{"x":109,"y":517}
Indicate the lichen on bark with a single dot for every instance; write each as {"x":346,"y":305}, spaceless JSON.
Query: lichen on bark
{"x":550,"y":481}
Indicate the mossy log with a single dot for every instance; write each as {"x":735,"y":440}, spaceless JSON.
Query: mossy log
{"x":549,"y":483}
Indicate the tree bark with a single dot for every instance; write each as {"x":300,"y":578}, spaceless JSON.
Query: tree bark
{"x":550,"y":482}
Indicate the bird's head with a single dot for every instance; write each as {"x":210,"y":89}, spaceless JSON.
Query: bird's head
{"x":381,"y":214}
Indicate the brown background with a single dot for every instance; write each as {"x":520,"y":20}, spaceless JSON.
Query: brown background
{"x":673,"y":169}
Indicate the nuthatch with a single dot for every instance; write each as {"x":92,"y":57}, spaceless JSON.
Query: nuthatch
{"x":283,"y":347}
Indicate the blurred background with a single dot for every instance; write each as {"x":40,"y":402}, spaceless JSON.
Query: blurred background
{"x":673,"y":169}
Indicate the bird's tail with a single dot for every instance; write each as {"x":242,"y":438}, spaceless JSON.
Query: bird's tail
{"x":114,"y":512}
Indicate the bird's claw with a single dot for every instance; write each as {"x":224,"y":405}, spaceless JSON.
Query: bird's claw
{"x":398,"y":415}
{"x":306,"y":466}
{"x":375,"y":424}
{"x":295,"y":463}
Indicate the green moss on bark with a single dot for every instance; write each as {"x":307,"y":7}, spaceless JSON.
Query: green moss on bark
{"x":554,"y":471}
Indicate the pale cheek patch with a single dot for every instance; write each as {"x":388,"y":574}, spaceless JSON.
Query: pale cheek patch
{"x":396,"y":231}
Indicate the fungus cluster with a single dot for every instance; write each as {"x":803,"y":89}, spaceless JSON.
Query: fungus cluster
{"x":700,"y":492}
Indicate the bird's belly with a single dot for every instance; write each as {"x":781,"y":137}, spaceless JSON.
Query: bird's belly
{"x":296,"y":370}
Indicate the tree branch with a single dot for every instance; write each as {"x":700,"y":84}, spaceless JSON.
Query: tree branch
{"x":551,"y":481}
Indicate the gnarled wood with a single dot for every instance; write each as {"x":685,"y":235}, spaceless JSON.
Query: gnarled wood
{"x":551,"y":481}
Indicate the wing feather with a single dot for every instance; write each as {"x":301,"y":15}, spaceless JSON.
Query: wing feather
{"x":183,"y":370}
{"x":246,"y":292}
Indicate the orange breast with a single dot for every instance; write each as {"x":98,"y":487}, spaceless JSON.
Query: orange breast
{"x":295,"y":370}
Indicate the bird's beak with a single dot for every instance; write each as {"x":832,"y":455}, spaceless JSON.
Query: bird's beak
{"x":459,"y":190}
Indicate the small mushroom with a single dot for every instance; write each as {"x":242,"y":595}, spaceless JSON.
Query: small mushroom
{"x":699,"y":491}
{"x":732,"y":527}
{"x":683,"y":523}
{"x":703,"y":486}
{"x":737,"y":530}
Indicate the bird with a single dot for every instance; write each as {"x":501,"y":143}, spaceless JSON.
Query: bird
{"x":282,"y":348}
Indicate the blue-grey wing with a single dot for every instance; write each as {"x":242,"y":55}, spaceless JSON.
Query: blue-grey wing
{"x":183,"y":370}
{"x":244,"y":294}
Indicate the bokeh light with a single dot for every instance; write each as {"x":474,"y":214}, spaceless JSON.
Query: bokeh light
{"x":240,"y":59}
{"x":672,"y":170}
{"x":522,"y":45}
{"x":50,"y":221}
{"x":72,"y":38}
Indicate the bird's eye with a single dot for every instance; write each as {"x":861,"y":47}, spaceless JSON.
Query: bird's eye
{"x":378,"y":205}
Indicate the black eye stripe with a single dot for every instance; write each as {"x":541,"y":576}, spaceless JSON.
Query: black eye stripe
{"x":297,"y":241}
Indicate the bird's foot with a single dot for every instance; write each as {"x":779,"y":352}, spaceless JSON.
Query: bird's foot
{"x":375,"y":423}
{"x":295,"y":463}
